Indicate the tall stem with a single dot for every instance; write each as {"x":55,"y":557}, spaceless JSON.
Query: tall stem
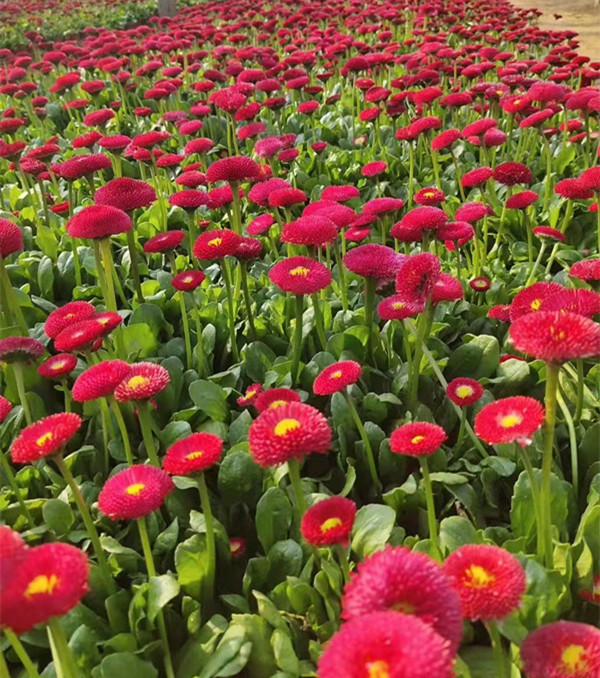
{"x":133,"y":256}
{"x":199,"y":342}
{"x":145,"y":419}
{"x":87,"y":521}
{"x":247,"y":299}
{"x":66,"y":662}
{"x":186,"y":331}
{"x":13,"y":308}
{"x":365,"y":440}
{"x":499,"y":656}
{"x":342,"y":274}
{"x":461,"y":430}
{"x":552,"y":372}
{"x":162,"y":629}
{"x":209,"y":591}
{"x":319,"y":322}
{"x":294,"y":474}
{"x":297,"y":344}
{"x":370,"y":284}
{"x":580,"y":388}
{"x":230,"y":310}
{"x":20,"y":381}
{"x":122,"y":429}
{"x":12,"y":481}
{"x":21,"y":653}
{"x":536,"y":264}
{"x":535,"y":495}
{"x":431,"y":519}
{"x":422,"y":328}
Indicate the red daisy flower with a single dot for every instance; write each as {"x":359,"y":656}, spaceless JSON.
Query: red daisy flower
{"x":98,"y":221}
{"x":80,"y":336}
{"x":125,"y":194}
{"x":189,"y":199}
{"x":573,"y":189}
{"x":51,"y":580}
{"x":340,"y":193}
{"x":20,"y":349}
{"x":416,"y":278}
{"x":100,"y":381}
{"x":45,"y":437}
{"x":193,"y":454}
{"x":11,"y":238}
{"x":288,"y":432}
{"x":563,"y":649}
{"x":529,"y":299}
{"x":490,"y":581}
{"x":275,"y":397}
{"x":429,"y":197}
{"x":509,"y":420}
{"x":406,"y":581}
{"x":250,"y":396}
{"x":476,"y":177}
{"x":386,"y":644}
{"x":373,"y":261}
{"x":463,"y":391}
{"x":583,"y":302}
{"x":233,"y":169}
{"x":57,"y":366}
{"x":591,"y":595}
{"x":81,"y":166}
{"x":548,"y":232}
{"x":300,"y":275}
{"x":187,"y":281}
{"x":69,"y":314}
{"x":512,"y":173}
{"x":260,"y":225}
{"x":134,"y":492}
{"x":237,"y":547}
{"x":5,"y":408}
{"x":337,"y":377}
{"x":446,"y":288}
{"x":481,"y":284}
{"x":588,"y":269}
{"x":248,"y":248}
{"x":472,"y":212}
{"x":315,"y":230}
{"x":286,"y":197}
{"x":522,"y":200}
{"x":329,"y":521}
{"x":379,"y":206}
{"x":216,"y":244}
{"x":164,"y":242}
{"x":149,"y":139}
{"x":144,"y":381}
{"x":556,"y":336}
{"x":396,"y":308}
{"x":417,"y":438}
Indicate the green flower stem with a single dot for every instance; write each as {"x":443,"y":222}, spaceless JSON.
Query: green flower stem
{"x":580,"y":388}
{"x":162,"y":629}
{"x":237,"y":207}
{"x":145,"y":419}
{"x":108,"y":266}
{"x":87,"y":521}
{"x":536,"y":264}
{"x":461,"y":429}
{"x":443,"y":383}
{"x":598,"y":216}
{"x":548,"y":184}
{"x":20,"y":381}
{"x":209,"y":591}
{"x":21,"y":653}
{"x":294,"y":474}
{"x":552,"y":372}
{"x":247,"y":299}
{"x":106,"y":423}
{"x":133,"y":256}
{"x":431,"y":519}
{"x":499,"y":656}
{"x":12,"y":481}
{"x":199,"y":342}
{"x":319,"y":322}
{"x":74,"y":241}
{"x":458,"y":176}
{"x":436,"y":168}
{"x":423,"y":324}
{"x":3,"y":666}
{"x":370,"y":284}
{"x":65,"y":663}
{"x":365,"y":440}
{"x":67,"y":395}
{"x":342,"y":274}
{"x":411,"y":173}
{"x":230,"y":309}
{"x":342,"y":556}
{"x":13,"y":307}
{"x":100,"y":269}
{"x":297,"y":342}
{"x":116,"y":410}
{"x":500,"y":232}
{"x":572,"y":444}
{"x":186,"y":330}
{"x":535,"y":495}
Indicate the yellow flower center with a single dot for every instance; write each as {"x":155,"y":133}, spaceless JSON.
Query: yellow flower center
{"x":403,"y":606}
{"x":69,"y":316}
{"x":41,"y":584}
{"x":285,"y":426}
{"x":557,"y":335}
{"x":102,"y":321}
{"x":378,"y":669}
{"x":135,"y":489}
{"x":398,"y":304}
{"x":137,"y":381}
{"x":535,"y":304}
{"x":215,"y":242}
{"x":59,"y":365}
{"x":517,"y":102}
{"x":464,"y":391}
{"x":417,"y":439}
{"x":43,"y":439}
{"x":194,"y":455}
{"x":234,"y":546}
{"x":429,"y":194}
{"x":478,"y":577}
{"x":300,"y":270}
{"x":188,"y":279}
{"x":336,"y":375}
{"x":277,"y":403}
{"x":573,"y":659}
{"x":329,"y":524}
{"x":511,"y":420}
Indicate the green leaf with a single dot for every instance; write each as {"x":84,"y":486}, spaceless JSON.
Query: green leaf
{"x":285,"y":656}
{"x":479,"y":358}
{"x":240,"y":478}
{"x":126,"y":664}
{"x":167,"y":539}
{"x":522,"y":514}
{"x":285,"y":560}
{"x":258,"y":359}
{"x":268,"y":610}
{"x":210,"y":398}
{"x":58,"y":516}
{"x":139,"y":341}
{"x":162,"y":589}
{"x":456,"y":531}
{"x":273,"y":517}
{"x":191,"y":563}
{"x":372,"y":528}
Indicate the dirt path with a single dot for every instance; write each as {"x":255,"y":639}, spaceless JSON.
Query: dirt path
{"x":577,"y":15}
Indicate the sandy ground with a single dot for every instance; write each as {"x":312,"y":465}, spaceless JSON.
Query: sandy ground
{"x":577,"y":15}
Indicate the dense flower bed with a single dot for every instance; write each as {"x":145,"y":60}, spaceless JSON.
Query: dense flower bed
{"x":298,"y":343}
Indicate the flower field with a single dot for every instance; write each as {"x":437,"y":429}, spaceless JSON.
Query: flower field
{"x":299,"y":342}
